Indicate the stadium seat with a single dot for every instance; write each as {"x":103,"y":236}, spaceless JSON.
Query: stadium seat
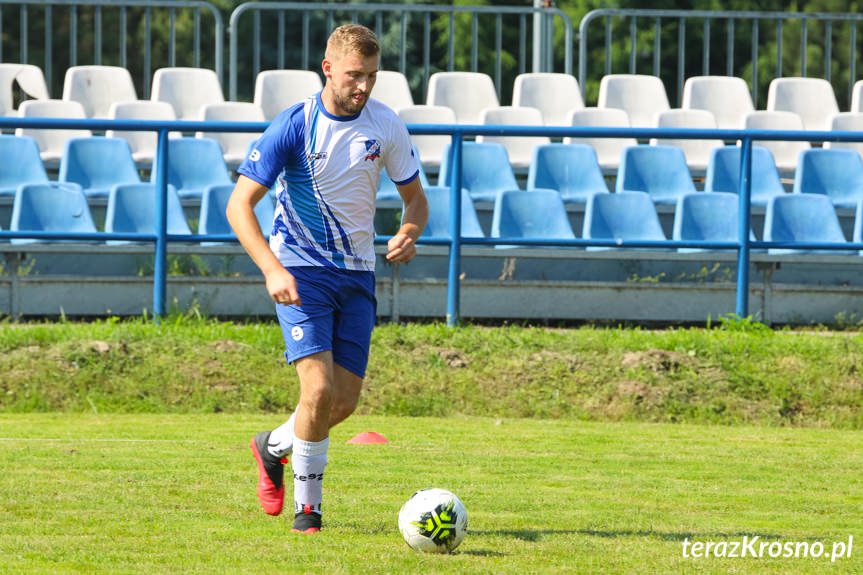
{"x":214,"y":201}
{"x":132,"y":209}
{"x":812,"y":99}
{"x":97,"y":163}
{"x":277,"y":90}
{"x":51,"y":141}
{"x":723,"y":174}
{"x":467,"y":93}
{"x":187,"y":90}
{"x":387,"y":188}
{"x":697,"y":152}
{"x":608,"y":150}
{"x":706,"y":216}
{"x":570,"y":169}
{"x":847,"y":122}
{"x":857,"y":97}
{"x":554,"y":95}
{"x":785,"y":153}
{"x":142,"y":144}
{"x":26,"y":77}
{"x":194,"y":164}
{"x":21,"y":164}
{"x":50,"y":207}
{"x":518,"y":148}
{"x":621,"y":216}
{"x":97,"y":87}
{"x":392,"y":89}
{"x":530,"y":214}
{"x":439,"y":216}
{"x":485,"y":170}
{"x":233,"y":144}
{"x":837,"y":174}
{"x":802,"y":218}
{"x":429,"y":148}
{"x":641,"y":97}
{"x":726,"y":97}
{"x":659,"y":171}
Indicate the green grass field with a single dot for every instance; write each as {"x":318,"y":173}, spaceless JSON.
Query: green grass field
{"x":175,"y":493}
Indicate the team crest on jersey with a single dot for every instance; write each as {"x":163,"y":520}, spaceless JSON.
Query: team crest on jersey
{"x":373,"y":150}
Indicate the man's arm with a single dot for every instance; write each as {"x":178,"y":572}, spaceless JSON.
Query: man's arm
{"x":281,"y":285}
{"x":401,"y":247}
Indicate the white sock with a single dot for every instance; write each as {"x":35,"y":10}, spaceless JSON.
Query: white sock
{"x":308,"y":462}
{"x":281,"y":439}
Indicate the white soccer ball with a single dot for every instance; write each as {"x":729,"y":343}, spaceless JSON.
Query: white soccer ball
{"x":433,"y":521}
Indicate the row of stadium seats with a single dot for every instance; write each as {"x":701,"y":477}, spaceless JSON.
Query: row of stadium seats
{"x":658,"y":170}
{"x":97,"y":163}
{"x":63,"y":207}
{"x":538,"y":99}
{"x":519,"y":214}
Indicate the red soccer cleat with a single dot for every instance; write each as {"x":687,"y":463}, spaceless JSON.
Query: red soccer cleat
{"x":271,"y":473}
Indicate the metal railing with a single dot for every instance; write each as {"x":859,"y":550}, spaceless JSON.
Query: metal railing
{"x":655,"y":19}
{"x":743,"y":245}
{"x":97,"y":35}
{"x":375,"y":15}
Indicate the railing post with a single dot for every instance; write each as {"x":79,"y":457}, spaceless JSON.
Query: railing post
{"x":743,"y":226}
{"x":160,"y":267}
{"x":453,"y":287}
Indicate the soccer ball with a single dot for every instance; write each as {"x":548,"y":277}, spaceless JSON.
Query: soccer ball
{"x":433,"y":521}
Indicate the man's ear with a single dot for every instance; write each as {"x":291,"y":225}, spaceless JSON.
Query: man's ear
{"x":327,"y":68}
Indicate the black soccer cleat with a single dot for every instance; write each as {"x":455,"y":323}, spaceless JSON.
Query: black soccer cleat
{"x":307,"y":521}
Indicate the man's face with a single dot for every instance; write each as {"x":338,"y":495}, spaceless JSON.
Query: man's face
{"x":351,"y":77}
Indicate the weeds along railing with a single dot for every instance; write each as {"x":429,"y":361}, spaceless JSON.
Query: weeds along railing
{"x":405,"y":30}
{"x":160,"y":238}
{"x":765,"y":32}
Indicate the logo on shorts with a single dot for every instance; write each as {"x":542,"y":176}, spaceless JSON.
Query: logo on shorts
{"x":255,"y":155}
{"x":373,"y":150}
{"x":297,"y":333}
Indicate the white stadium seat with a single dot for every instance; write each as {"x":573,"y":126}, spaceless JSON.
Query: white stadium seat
{"x":784,"y":152}
{"x":641,"y":97}
{"x":276,"y":90}
{"x":518,"y":148}
{"x":187,"y":90}
{"x":553,"y":94}
{"x":429,"y":148}
{"x":697,"y":152}
{"x":392,"y":89}
{"x":234,"y":144}
{"x":97,"y":87}
{"x":812,"y":99}
{"x":143,"y":144}
{"x":467,"y":93}
{"x":51,"y":141}
{"x":608,"y":150}
{"x":726,"y":97}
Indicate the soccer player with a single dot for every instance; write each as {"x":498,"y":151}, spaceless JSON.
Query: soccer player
{"x":326,"y":153}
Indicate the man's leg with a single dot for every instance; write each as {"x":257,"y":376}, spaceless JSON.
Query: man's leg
{"x":328,"y":395}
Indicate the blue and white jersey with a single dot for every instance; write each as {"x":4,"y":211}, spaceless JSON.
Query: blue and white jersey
{"x":328,"y":170}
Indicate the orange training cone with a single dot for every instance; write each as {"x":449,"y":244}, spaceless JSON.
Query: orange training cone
{"x":367,"y":437}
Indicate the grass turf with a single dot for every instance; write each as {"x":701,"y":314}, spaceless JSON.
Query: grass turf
{"x":147,"y":493}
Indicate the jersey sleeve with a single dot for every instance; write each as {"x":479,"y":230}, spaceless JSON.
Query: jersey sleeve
{"x":400,"y":161}
{"x":274,"y":149}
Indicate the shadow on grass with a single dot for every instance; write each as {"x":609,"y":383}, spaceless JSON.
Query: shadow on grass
{"x":538,"y":534}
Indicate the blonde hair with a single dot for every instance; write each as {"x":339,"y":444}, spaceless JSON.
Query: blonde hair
{"x":352,"y":38}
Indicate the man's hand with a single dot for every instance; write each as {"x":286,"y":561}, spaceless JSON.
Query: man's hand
{"x":282,"y":287}
{"x":401,"y":248}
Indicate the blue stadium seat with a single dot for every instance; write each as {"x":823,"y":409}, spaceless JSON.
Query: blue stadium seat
{"x":51,"y":207}
{"x":387,"y":188}
{"x":438,"y":222}
{"x":658,"y":170}
{"x":214,"y":201}
{"x":485,"y":170}
{"x":571,"y":169}
{"x":21,"y":164}
{"x":621,"y":216}
{"x":97,"y":163}
{"x":194,"y":164}
{"x":132,"y":209}
{"x":535,"y":214}
{"x":706,"y":216}
{"x":835,"y":173}
{"x":802,"y":218}
{"x":723,"y":174}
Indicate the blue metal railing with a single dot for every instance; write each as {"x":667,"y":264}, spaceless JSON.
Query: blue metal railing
{"x":160,"y":238}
